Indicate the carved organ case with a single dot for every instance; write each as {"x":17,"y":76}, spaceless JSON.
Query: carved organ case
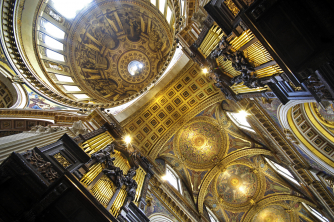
{"x":270,"y":48}
{"x":91,"y":177}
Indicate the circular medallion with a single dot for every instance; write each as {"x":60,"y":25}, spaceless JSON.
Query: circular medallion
{"x":237,"y":184}
{"x":200,"y":144}
{"x":134,"y":67}
{"x":272,"y":213}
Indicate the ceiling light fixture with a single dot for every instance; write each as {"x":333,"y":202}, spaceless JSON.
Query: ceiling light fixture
{"x":127,"y":139}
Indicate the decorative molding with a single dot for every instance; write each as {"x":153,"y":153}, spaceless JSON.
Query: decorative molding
{"x":221,"y":165}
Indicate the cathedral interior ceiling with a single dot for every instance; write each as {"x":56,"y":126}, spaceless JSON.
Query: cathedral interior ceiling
{"x":113,"y":50}
{"x":230,"y":179}
{"x":105,"y":42}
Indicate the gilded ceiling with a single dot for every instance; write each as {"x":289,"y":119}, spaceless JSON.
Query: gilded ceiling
{"x":105,"y":39}
{"x":200,"y":143}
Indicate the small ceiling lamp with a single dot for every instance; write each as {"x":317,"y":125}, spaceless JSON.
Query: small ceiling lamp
{"x":205,"y":70}
{"x":127,"y":139}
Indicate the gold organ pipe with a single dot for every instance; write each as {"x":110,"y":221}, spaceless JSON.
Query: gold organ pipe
{"x":227,"y":66}
{"x":258,"y":54}
{"x":139,"y":178}
{"x":240,"y":88}
{"x":211,"y":40}
{"x":103,"y":190}
{"x":93,"y":140}
{"x":268,"y":71}
{"x":116,"y":206}
{"x":245,"y":37}
{"x":91,"y":174}
{"x":101,"y":146}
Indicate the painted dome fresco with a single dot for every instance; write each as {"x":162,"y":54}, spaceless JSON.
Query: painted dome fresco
{"x":200,"y":144}
{"x":237,"y":184}
{"x":272,"y":213}
{"x":117,"y":49}
{"x":97,"y":53}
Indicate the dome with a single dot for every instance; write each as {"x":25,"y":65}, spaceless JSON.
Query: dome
{"x":200,"y":144}
{"x":97,"y":53}
{"x":237,"y":184}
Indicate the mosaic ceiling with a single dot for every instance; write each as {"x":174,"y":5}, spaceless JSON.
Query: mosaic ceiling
{"x":200,"y":143}
{"x":237,"y":184}
{"x":107,"y":38}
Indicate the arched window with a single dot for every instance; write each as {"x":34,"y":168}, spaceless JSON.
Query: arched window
{"x":212,"y":216}
{"x":172,"y":178}
{"x":240,"y":120}
{"x":315,"y":213}
{"x":159,"y":218}
{"x":282,"y":171}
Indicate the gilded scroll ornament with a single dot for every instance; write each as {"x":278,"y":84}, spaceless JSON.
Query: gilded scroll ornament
{"x":62,"y":160}
{"x":44,"y":167}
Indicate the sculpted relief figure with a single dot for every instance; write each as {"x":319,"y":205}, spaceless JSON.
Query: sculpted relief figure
{"x":155,"y":42}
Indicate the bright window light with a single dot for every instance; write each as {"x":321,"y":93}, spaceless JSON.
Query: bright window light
{"x":282,"y":171}
{"x":315,"y":213}
{"x":72,"y":88}
{"x":54,"y":55}
{"x":169,"y":15}
{"x":183,"y":5}
{"x":171,"y":178}
{"x":162,"y":4}
{"x":81,"y":96}
{"x":154,"y":2}
{"x":63,"y":78}
{"x":240,"y":120}
{"x":54,"y":30}
{"x":69,"y":8}
{"x":211,"y":215}
{"x":53,"y":43}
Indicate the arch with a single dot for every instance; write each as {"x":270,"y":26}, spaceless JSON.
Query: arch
{"x":222,"y":164}
{"x":159,"y":218}
{"x":17,"y":91}
{"x":285,"y":118}
{"x":268,"y":201}
{"x":153,"y":154}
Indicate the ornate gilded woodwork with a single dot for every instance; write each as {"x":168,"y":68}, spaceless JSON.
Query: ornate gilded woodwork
{"x":62,"y":160}
{"x":232,"y":7}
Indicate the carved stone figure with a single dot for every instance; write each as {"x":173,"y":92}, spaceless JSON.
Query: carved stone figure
{"x":78,"y":128}
{"x":131,"y":185}
{"x":199,"y":18}
{"x":115,"y":174}
{"x":317,"y":86}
